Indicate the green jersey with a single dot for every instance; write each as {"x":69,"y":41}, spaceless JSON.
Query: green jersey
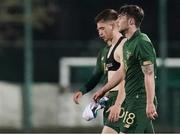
{"x":100,"y":72}
{"x":136,"y":50}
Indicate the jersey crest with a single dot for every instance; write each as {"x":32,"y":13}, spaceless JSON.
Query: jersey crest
{"x":128,"y":54}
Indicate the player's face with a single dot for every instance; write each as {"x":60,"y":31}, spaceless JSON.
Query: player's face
{"x":105,"y":30}
{"x":123,"y":23}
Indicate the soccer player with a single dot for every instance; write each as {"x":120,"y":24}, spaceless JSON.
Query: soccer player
{"x":139,"y":70}
{"x":107,"y":27}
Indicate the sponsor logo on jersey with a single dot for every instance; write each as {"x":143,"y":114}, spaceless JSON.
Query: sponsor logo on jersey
{"x":126,"y":125}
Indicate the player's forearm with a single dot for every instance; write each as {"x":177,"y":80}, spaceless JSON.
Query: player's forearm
{"x":91,"y":83}
{"x":115,"y":80}
{"x":150,"y":87}
{"x":148,"y":70}
{"x":121,"y":95}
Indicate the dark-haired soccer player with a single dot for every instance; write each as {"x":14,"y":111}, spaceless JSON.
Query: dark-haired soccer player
{"x":139,"y":70}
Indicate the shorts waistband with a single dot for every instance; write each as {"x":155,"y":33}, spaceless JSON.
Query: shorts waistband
{"x":111,"y":92}
{"x":137,"y":96}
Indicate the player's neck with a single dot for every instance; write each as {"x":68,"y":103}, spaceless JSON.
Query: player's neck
{"x":130,"y":32}
{"x":109,"y":43}
{"x":116,"y":36}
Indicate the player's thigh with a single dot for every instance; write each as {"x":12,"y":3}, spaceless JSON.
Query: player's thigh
{"x":134,"y":120}
{"x":128,"y":123}
{"x":112,"y":98}
{"x":143,"y":123}
{"x":112,"y":125}
{"x":150,"y":128}
{"x":108,"y":130}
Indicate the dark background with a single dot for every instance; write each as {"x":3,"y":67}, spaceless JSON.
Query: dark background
{"x":64,"y":28}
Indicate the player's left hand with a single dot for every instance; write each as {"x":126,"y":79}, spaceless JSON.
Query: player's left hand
{"x":151,"y":111}
{"x":114,"y":112}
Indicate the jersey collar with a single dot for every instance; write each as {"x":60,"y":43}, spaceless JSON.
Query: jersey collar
{"x":136,"y":33}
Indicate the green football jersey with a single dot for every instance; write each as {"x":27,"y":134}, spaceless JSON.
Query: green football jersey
{"x":136,"y":50}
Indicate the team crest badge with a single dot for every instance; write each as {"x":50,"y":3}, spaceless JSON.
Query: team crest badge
{"x":128,"y":54}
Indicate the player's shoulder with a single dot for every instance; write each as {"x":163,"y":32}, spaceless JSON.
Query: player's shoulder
{"x":144,"y":38}
{"x":102,"y":49}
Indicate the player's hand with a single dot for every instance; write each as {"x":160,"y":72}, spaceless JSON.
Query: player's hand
{"x":114,"y":112}
{"x":151,"y":111}
{"x":97,"y":95}
{"x":76,"y":97}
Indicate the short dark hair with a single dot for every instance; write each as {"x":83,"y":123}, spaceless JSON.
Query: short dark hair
{"x":107,"y":15}
{"x":133,"y":11}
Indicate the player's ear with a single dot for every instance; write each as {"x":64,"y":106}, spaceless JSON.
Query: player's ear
{"x":131,"y":21}
{"x":113,"y":25}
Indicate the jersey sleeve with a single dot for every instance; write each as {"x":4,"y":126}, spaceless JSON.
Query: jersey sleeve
{"x":95,"y":78}
{"x":145,"y":52}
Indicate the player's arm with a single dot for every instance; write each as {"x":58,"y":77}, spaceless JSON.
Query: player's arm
{"x":92,"y":81}
{"x":115,"y":110}
{"x":95,"y":78}
{"x":147,"y":60}
{"x":115,"y":80}
{"x":148,"y":70}
{"x":121,"y":95}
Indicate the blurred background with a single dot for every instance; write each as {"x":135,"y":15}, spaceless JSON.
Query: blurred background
{"x":48,"y":49}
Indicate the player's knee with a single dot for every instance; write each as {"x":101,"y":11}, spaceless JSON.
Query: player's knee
{"x":107,"y":130}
